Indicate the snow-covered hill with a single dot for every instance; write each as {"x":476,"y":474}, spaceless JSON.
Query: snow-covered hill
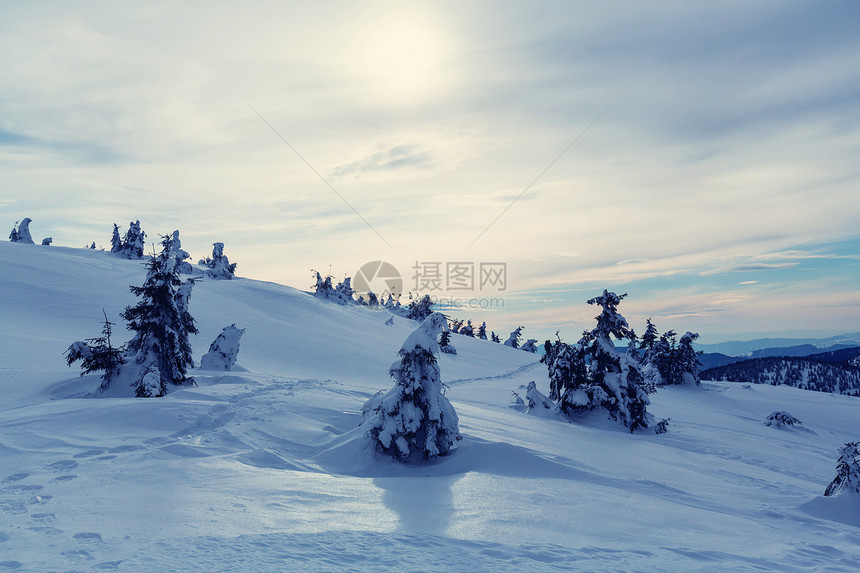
{"x":262,"y":469}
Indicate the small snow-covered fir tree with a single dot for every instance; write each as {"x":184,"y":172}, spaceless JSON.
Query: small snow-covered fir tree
{"x":664,"y":357}
{"x":456,"y":325}
{"x":160,"y":348}
{"x":390,"y":321}
{"x":847,"y":471}
{"x":414,"y":420}
{"x":344,"y":291}
{"x":115,"y":240}
{"x":468,"y":330}
{"x":482,"y":331}
{"x":372,"y":299}
{"x":649,"y":339}
{"x":568,"y":374}
{"x":530,"y":345}
{"x":178,"y":253}
{"x":133,"y":242}
{"x":688,"y":359}
{"x":219,"y":266}
{"x":420,"y":309}
{"x":21,"y":232}
{"x":514,"y":339}
{"x":223,"y":350}
{"x":494,"y":337}
{"x":98,"y":355}
{"x":46,"y":242}
{"x":445,"y":343}
{"x":323,"y":288}
{"x":780,"y":419}
{"x":534,"y":399}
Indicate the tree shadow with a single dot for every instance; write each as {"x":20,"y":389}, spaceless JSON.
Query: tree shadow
{"x":423,"y":504}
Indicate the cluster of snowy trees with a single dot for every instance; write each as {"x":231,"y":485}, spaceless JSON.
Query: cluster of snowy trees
{"x":131,"y":246}
{"x":594,"y":374}
{"x":807,"y":373}
{"x":419,"y":307}
{"x":665,"y":359}
{"x":159,"y":354}
{"x":513,"y":341}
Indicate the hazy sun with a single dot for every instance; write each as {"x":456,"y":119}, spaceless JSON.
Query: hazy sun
{"x":400,"y":59}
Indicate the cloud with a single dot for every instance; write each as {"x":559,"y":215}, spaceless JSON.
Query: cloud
{"x":393,"y":158}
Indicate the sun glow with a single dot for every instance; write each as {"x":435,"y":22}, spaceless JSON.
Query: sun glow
{"x":400,"y":59}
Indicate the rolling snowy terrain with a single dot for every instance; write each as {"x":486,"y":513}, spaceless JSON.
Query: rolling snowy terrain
{"x":263,"y":468}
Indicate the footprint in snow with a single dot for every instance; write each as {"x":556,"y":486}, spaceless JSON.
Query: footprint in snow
{"x":62,"y":466}
{"x":10,"y":565}
{"x":12,"y":507}
{"x":14,"y":477}
{"x":44,"y":517}
{"x":88,"y":536}
{"x":21,"y":488}
{"x":40,"y":499}
{"x":60,"y":479}
{"x":46,"y":529}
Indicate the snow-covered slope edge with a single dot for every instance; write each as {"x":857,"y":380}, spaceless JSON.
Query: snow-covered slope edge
{"x":263,"y":468}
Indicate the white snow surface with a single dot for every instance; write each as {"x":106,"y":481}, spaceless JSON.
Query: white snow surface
{"x":264,"y":468}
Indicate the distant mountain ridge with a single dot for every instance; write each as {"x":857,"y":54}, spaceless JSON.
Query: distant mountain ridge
{"x":748,"y":347}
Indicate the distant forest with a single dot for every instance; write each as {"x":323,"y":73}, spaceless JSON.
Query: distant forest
{"x":837,"y":371}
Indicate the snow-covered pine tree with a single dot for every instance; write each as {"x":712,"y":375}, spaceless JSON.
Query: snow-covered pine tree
{"x":664,"y":357}
{"x":133,"y":242}
{"x":847,"y":471}
{"x":649,"y":339}
{"x":414,"y":419}
{"x":390,"y":321}
{"x":224,"y":350}
{"x":568,"y":374}
{"x":98,"y":355}
{"x":93,"y":246}
{"x":445,"y":343}
{"x":494,"y":337}
{"x":21,"y":232}
{"x":160,"y":353}
{"x":46,"y":242}
{"x":688,"y":359}
{"x":115,"y":240}
{"x":468,"y":330}
{"x":456,"y":325}
{"x":323,"y":289}
{"x":420,"y":309}
{"x":344,"y":291}
{"x":534,"y":398}
{"x":180,"y":255}
{"x":514,"y":339}
{"x":372,"y":299}
{"x":219,"y":266}
{"x":530,"y":346}
{"x":482,"y":331}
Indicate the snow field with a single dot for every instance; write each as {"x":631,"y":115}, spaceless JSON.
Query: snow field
{"x":264,"y":469}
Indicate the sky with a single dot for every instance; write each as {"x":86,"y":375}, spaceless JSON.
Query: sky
{"x":700,"y":158}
